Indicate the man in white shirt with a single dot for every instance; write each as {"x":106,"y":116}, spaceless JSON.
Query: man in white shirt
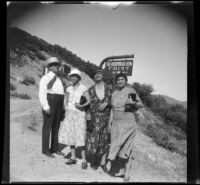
{"x":51,"y":96}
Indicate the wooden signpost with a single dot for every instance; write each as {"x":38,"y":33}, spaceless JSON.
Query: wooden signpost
{"x":118,"y":64}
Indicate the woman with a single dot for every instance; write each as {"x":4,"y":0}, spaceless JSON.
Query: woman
{"x":73,"y":128}
{"x":122,"y":126}
{"x":97,"y":140}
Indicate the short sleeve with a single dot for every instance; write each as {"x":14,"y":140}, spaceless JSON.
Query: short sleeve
{"x":68,"y":89}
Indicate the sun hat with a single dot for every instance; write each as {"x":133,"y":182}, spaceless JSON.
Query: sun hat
{"x":53,"y":61}
{"x":75,"y":72}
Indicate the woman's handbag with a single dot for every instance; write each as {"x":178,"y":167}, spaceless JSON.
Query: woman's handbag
{"x":132,"y":107}
{"x":88,"y":115}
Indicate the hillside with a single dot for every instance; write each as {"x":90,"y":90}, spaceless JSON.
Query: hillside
{"x":174,"y":101}
{"x":27,"y":55}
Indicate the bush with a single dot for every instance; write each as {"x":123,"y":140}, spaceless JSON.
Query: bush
{"x":28,"y":80}
{"x":40,"y":56}
{"x":143,"y":90}
{"x":21,"y":96}
{"x":12,"y":87}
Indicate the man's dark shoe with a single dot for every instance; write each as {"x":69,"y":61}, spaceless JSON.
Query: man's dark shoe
{"x":60,"y":153}
{"x":50,"y":155}
{"x":71,"y":161}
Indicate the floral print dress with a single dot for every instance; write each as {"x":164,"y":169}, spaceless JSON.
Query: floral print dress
{"x":97,"y":141}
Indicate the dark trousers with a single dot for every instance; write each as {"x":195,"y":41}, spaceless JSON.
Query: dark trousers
{"x":51,"y":123}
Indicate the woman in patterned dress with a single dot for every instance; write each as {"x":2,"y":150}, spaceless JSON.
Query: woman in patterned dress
{"x":97,"y":140}
{"x":122,"y":126}
{"x":73,"y":128}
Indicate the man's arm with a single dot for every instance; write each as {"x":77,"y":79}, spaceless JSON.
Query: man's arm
{"x":43,"y":94}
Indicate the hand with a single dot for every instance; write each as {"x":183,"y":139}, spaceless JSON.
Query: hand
{"x":130,"y":101}
{"x":78,"y":106}
{"x":103,"y":106}
{"x":48,"y":112}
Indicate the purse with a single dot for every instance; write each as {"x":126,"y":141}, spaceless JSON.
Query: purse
{"x":131,"y":107}
{"x":88,"y":116}
{"x":83,"y":100}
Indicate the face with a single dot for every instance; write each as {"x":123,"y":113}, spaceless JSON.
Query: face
{"x":121,"y":81}
{"x":98,"y":77}
{"x":74,"y":79}
{"x":55,"y":69}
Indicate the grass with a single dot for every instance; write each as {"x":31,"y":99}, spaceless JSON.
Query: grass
{"x":28,"y":80}
{"x":170,"y":137}
{"x":20,"y":95}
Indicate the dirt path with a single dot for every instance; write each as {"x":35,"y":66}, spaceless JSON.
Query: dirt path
{"x":27,"y":164}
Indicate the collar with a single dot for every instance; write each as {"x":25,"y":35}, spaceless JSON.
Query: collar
{"x":51,"y":74}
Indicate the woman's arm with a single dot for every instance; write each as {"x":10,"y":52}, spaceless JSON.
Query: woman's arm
{"x":87,"y":96}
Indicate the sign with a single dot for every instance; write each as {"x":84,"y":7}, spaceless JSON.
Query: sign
{"x":119,"y":66}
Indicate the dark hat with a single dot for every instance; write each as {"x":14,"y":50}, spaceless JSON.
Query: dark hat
{"x":98,"y":70}
{"x":121,"y":75}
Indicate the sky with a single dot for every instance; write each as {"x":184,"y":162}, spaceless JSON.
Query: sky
{"x":155,"y":35}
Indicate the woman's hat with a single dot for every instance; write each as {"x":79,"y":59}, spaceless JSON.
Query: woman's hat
{"x":75,"y":72}
{"x":98,"y":70}
{"x":53,"y":61}
{"x":121,"y":75}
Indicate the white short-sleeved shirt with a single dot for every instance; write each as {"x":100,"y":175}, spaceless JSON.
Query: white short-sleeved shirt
{"x":75,"y":93}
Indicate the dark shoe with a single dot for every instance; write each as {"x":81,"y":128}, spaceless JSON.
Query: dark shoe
{"x":71,"y":161}
{"x":126,"y":179}
{"x":119,"y":174}
{"x":94,"y":167}
{"x":104,"y":168}
{"x":60,"y":153}
{"x":84,"y":165}
{"x":50,"y":155}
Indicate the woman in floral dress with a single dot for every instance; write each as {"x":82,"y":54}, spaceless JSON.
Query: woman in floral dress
{"x":97,"y":141}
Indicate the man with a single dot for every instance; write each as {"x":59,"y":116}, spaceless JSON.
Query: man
{"x":51,"y":96}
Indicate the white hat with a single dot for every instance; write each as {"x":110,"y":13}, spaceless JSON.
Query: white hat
{"x":75,"y":72}
{"x":53,"y":60}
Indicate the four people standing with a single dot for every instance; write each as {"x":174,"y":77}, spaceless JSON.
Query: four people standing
{"x":120,"y":123}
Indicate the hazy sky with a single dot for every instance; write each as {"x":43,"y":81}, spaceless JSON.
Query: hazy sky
{"x":155,"y":35}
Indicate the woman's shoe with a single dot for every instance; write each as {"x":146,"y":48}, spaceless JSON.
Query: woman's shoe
{"x":126,"y":179}
{"x":71,"y":161}
{"x":120,"y":173}
{"x":104,"y":168}
{"x":84,"y":165}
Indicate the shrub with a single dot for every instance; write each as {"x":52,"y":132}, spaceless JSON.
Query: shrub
{"x":12,"y":87}
{"x":40,"y":56}
{"x":21,"y":96}
{"x":28,"y":80}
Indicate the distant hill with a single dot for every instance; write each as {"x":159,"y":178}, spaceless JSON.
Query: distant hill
{"x":174,"y":101}
{"x":23,"y":43}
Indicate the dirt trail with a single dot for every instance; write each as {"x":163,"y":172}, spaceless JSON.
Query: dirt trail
{"x":27,"y":164}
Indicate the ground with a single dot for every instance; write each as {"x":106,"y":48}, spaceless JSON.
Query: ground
{"x":27,"y":164}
